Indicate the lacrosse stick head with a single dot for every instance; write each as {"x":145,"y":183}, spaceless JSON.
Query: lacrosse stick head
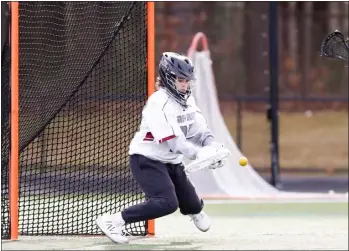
{"x":335,"y":46}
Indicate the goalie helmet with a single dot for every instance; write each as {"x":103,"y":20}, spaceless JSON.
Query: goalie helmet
{"x":173,"y":67}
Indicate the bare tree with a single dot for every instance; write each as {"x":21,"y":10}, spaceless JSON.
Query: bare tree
{"x":292,"y":27}
{"x":334,"y":16}
{"x":307,"y":26}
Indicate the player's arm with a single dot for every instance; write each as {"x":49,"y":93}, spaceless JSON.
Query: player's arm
{"x":179,"y":144}
{"x":166,"y":130}
{"x":199,"y":133}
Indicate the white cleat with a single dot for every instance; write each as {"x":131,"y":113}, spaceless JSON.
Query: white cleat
{"x":111,"y":228}
{"x":201,"y":221}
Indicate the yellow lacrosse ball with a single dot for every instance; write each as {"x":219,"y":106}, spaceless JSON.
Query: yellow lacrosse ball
{"x":243,"y":161}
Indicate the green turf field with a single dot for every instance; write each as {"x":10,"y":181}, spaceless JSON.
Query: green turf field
{"x":235,"y":226}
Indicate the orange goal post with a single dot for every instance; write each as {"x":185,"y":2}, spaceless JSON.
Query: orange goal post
{"x":79,"y":76}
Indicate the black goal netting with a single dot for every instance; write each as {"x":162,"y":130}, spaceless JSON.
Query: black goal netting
{"x":83,"y":84}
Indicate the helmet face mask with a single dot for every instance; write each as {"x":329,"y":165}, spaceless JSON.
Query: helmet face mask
{"x":176,"y":72}
{"x":184,"y":85}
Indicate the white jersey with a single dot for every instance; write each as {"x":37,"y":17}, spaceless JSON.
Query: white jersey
{"x":164,"y":119}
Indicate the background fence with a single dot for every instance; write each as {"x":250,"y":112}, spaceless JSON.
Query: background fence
{"x":313,"y":91}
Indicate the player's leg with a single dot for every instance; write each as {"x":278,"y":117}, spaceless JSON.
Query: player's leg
{"x":189,"y":202}
{"x":154,"y":180}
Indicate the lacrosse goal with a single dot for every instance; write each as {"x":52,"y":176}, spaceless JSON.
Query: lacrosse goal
{"x":76,"y":76}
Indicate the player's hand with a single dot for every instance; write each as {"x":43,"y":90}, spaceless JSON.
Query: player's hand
{"x":206,"y":152}
{"x":218,"y":164}
{"x":216,"y":145}
{"x":212,"y":150}
{"x":222,"y":162}
{"x":208,"y":157}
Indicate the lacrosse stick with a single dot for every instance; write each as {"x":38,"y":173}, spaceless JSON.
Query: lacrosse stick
{"x":335,"y":46}
{"x":200,"y":164}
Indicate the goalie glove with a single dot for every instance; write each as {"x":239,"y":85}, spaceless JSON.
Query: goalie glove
{"x":220,"y":163}
{"x":206,"y":152}
{"x":208,"y":157}
{"x":216,"y":145}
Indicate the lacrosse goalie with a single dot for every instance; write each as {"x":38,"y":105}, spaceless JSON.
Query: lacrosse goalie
{"x":172,"y":127}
